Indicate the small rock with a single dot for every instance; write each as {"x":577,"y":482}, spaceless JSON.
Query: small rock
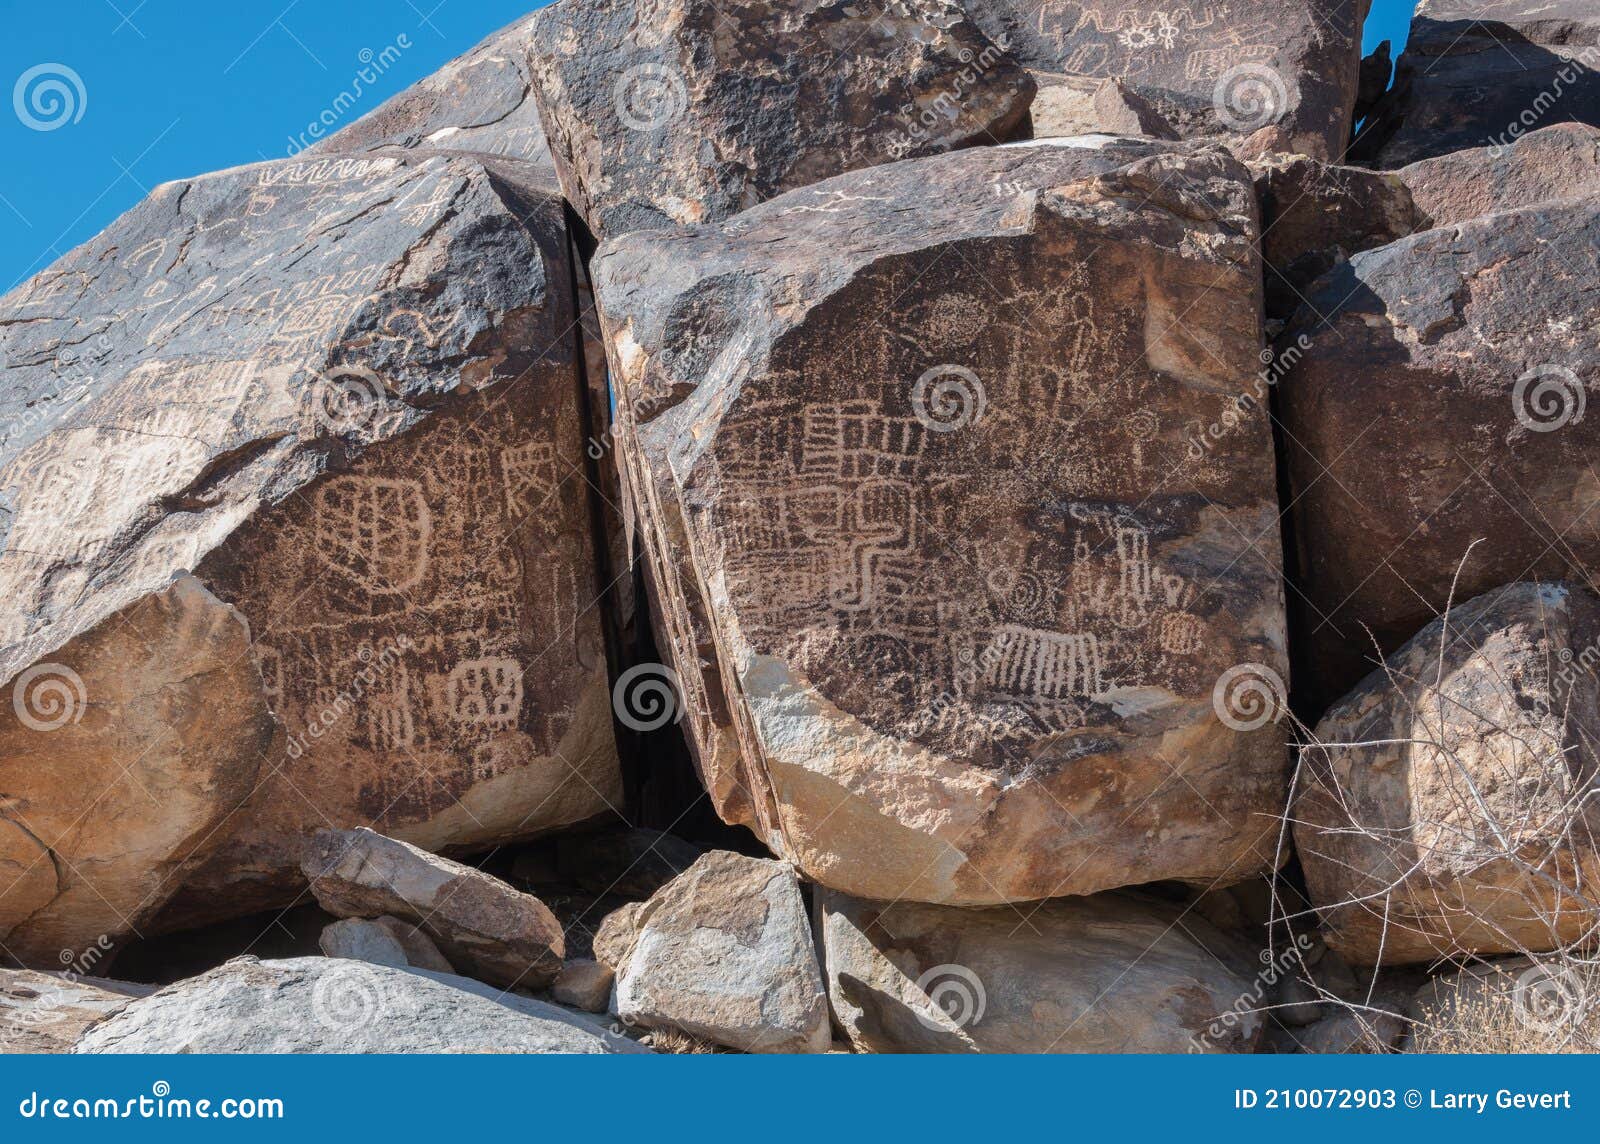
{"x":358,"y":939}
{"x":1069,"y":105}
{"x":584,"y":985}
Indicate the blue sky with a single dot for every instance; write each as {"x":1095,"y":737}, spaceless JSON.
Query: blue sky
{"x":172,"y":88}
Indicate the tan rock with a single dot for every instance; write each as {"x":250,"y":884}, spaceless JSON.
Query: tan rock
{"x":1559,"y":162}
{"x":584,"y":985}
{"x":959,"y":580}
{"x":1069,"y":105}
{"x":47,"y":1013}
{"x":615,"y":937}
{"x":1450,"y":807}
{"x":383,"y":941}
{"x":482,"y":925}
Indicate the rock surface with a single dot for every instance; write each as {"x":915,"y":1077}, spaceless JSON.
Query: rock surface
{"x":1286,"y":70}
{"x":1070,"y":105}
{"x":724,"y":953}
{"x":383,"y":941}
{"x":1560,"y":162}
{"x":1111,"y":973}
{"x":46,"y":1013}
{"x":584,"y":985}
{"x":663,"y":114}
{"x":1451,"y":807}
{"x":1440,"y":401}
{"x":616,"y":934}
{"x":1485,"y":72}
{"x":327,"y":1005}
{"x":481,"y":101}
{"x":482,"y":925}
{"x":291,"y":380}
{"x":949,"y":584}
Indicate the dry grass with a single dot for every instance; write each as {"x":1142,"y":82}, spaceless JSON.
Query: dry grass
{"x":679,"y":1042}
{"x":1548,"y":1007}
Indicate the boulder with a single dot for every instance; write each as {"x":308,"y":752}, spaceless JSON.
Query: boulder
{"x":1284,"y":71}
{"x":481,"y":101}
{"x":1448,"y":806}
{"x":584,"y":985}
{"x":1439,"y":400}
{"x":1315,"y":215}
{"x":632,"y":863}
{"x":482,"y":925}
{"x":1477,"y":73}
{"x":1071,"y":105}
{"x":1560,"y":162}
{"x":1112,"y":973}
{"x":959,"y":604}
{"x":383,"y":941}
{"x":289,"y":381}
{"x":665,"y":114}
{"x":724,"y":953}
{"x":328,"y":1005}
{"x":47,"y":1012}
{"x":614,"y":938}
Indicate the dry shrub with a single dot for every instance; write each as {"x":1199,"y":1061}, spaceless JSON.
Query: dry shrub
{"x":1523,"y":1006}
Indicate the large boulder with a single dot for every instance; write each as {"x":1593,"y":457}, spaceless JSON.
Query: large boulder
{"x":724,"y":952}
{"x":481,"y":101}
{"x":663,"y":114}
{"x":329,"y":1005}
{"x":483,"y":926}
{"x":343,"y":394}
{"x":955,"y":597}
{"x":1478,"y":73}
{"x":47,"y":1012}
{"x":1440,"y":400}
{"x":1448,"y":805}
{"x":1560,"y":162}
{"x":1282,"y":73}
{"x":1111,"y":973}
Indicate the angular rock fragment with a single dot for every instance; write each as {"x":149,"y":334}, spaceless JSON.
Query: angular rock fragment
{"x":343,"y":394}
{"x":958,"y":528}
{"x":688,"y":112}
{"x":1106,"y":974}
{"x":1560,"y":162}
{"x":383,"y":941}
{"x":724,"y":953}
{"x":481,"y":101}
{"x":328,"y":1005}
{"x":1448,"y":807}
{"x":46,"y":1013}
{"x":1479,"y":73}
{"x":583,"y":985}
{"x":616,"y":934}
{"x":1068,"y":105}
{"x":1441,"y":400}
{"x":482,"y":925}
{"x":1283,"y":71}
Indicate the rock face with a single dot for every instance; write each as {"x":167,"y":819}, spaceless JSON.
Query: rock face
{"x":327,"y":1005}
{"x":1284,"y":71}
{"x":45,"y":1013}
{"x":689,"y":111}
{"x":481,"y":101}
{"x":1069,"y":105}
{"x":584,"y":985}
{"x":482,"y":925}
{"x":1455,"y":793}
{"x":949,"y":581}
{"x":1106,"y":974}
{"x":292,"y":380}
{"x":1561,"y":162}
{"x":724,"y":953}
{"x":1440,"y":401}
{"x":1485,"y":72}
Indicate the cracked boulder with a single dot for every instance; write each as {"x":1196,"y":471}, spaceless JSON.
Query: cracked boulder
{"x":957,"y":526}
{"x":1281,"y":75}
{"x":1111,"y":973}
{"x":1447,"y":806}
{"x":1560,"y":162}
{"x":667,"y":114}
{"x":301,"y":442}
{"x":1441,"y":400}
